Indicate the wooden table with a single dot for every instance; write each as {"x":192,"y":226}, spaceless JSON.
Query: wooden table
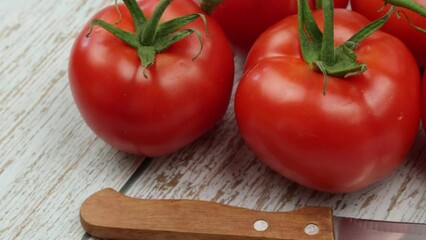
{"x":51,"y":161}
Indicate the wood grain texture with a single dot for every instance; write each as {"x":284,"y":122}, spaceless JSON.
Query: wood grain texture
{"x":50,"y":161}
{"x":111,"y":215}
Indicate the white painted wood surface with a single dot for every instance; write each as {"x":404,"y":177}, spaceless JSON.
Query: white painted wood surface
{"x":50,"y":161}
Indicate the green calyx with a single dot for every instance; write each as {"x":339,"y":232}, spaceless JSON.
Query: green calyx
{"x":151,"y":36}
{"x":318,"y":48}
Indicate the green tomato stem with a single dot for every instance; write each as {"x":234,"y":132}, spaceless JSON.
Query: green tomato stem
{"x":151,"y":36}
{"x":370,"y":28}
{"x":327,"y":47}
{"x":310,"y":36}
{"x":138,"y":16}
{"x":409,"y":4}
{"x":150,"y":28}
{"x":318,"y":48}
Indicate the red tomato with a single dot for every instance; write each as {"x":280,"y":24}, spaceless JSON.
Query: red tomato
{"x":244,"y":20}
{"x":178,"y":102}
{"x":355,"y":135}
{"x":414,"y":39}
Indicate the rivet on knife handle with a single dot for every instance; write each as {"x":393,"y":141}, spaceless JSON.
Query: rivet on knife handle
{"x":108,"y":214}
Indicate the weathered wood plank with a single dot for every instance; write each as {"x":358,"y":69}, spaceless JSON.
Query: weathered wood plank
{"x":50,"y":161}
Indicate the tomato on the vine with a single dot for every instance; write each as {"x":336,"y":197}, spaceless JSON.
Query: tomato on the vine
{"x":163,"y":105}
{"x":399,"y":27}
{"x":355,"y":135}
{"x":244,"y":20}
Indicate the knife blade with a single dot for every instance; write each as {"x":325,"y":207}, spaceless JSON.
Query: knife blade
{"x":357,"y":229}
{"x":108,"y":214}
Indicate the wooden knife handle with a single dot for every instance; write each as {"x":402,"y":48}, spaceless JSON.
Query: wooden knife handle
{"x":108,"y":214}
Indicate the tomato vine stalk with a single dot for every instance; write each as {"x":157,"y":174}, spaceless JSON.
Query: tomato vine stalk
{"x":408,"y":4}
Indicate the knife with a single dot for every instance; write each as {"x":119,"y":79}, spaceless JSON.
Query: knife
{"x":108,"y":214}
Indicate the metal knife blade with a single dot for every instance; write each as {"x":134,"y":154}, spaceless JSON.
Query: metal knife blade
{"x":108,"y":214}
{"x":360,"y":229}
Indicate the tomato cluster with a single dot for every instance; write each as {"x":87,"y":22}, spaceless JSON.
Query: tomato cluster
{"x":343,"y":139}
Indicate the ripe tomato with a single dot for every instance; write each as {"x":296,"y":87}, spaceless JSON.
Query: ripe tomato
{"x":414,"y":39}
{"x":244,"y":20}
{"x":356,"y":134}
{"x":179,"y":100}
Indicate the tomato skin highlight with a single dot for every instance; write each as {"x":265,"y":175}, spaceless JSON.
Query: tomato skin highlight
{"x":244,"y":20}
{"x":355,"y":135}
{"x":179,"y":101}
{"x":414,"y":39}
